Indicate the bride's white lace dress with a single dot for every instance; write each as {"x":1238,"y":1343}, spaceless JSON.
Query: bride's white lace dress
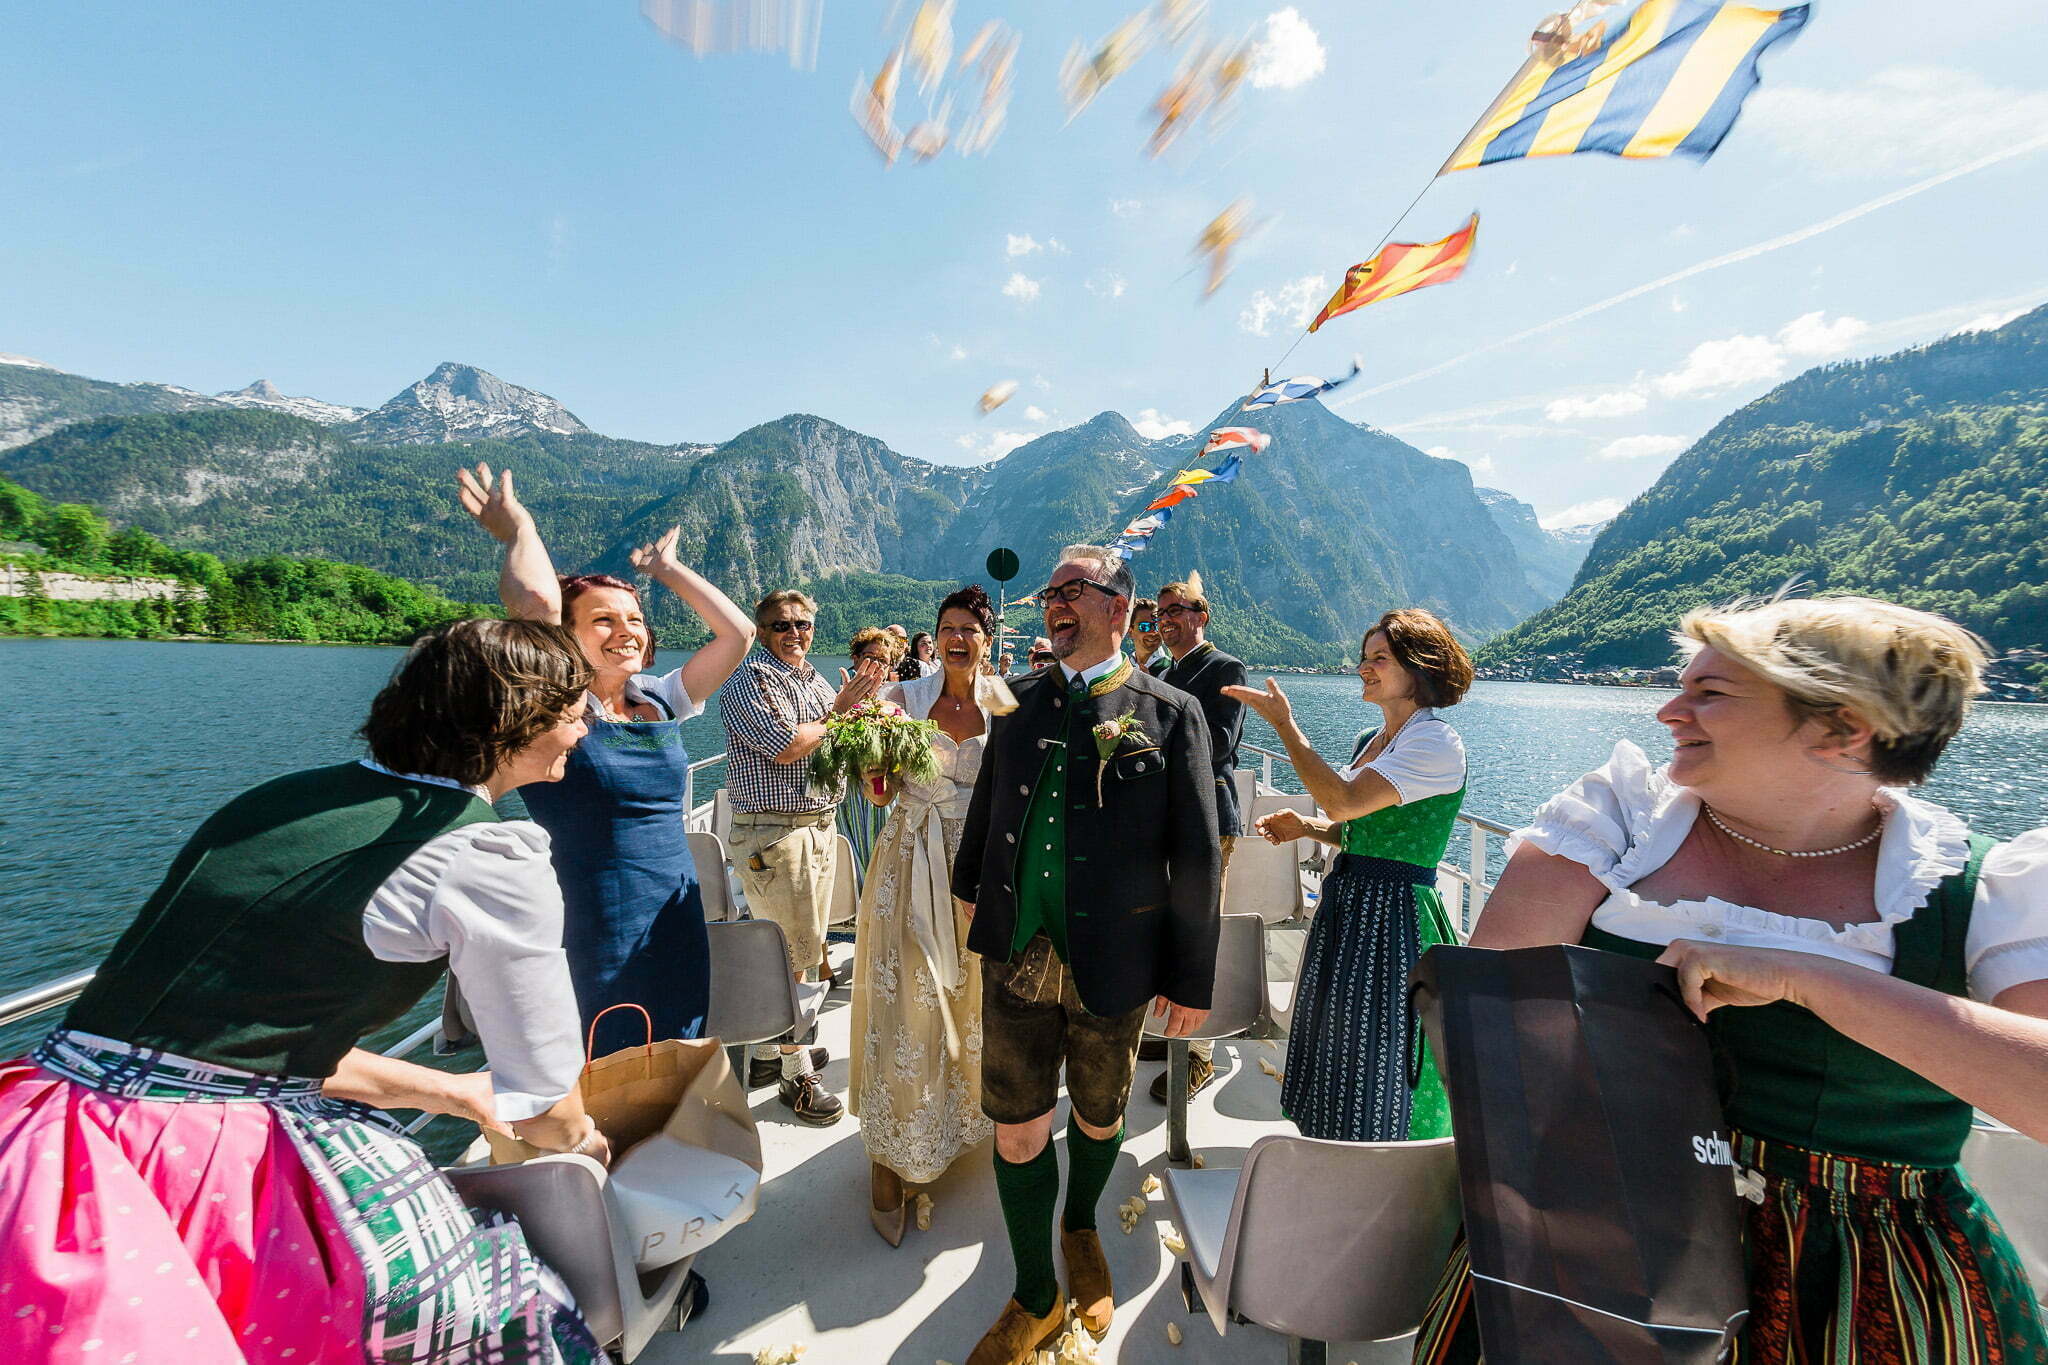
{"x":916,"y":1062}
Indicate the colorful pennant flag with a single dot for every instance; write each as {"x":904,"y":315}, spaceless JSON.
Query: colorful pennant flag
{"x":1173,"y":496}
{"x":1400,"y":267}
{"x":1658,"y":78}
{"x":1296,"y":389}
{"x":1229,"y":438}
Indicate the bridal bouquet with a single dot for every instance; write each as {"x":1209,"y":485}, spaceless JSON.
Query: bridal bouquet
{"x":875,"y":739}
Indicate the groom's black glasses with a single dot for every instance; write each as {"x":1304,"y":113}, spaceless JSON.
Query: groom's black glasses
{"x":785,"y":627}
{"x":1070,"y":591}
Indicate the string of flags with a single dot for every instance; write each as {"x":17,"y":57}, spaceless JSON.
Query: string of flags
{"x":1639,"y":79}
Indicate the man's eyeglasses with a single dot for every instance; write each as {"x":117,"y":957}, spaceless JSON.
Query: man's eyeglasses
{"x":1182,"y":608}
{"x":1144,"y":627}
{"x":785,"y":627}
{"x":1071,"y":591}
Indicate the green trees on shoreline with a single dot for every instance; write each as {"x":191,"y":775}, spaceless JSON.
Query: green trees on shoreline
{"x":271,"y":597}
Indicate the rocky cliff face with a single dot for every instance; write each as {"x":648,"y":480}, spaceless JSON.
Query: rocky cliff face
{"x":36,"y":399}
{"x":463,"y":403}
{"x":1549,"y":558}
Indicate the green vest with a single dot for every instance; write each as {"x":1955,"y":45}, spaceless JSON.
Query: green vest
{"x":1796,"y":1080}
{"x":1041,"y":879}
{"x":251,"y":952}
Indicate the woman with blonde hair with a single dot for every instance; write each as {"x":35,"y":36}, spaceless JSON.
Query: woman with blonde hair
{"x":1871,"y":969}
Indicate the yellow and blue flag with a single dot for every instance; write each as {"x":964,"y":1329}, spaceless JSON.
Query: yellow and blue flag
{"x":1659,"y":78}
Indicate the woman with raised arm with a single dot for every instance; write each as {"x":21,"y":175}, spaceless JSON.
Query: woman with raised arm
{"x":188,"y":1169}
{"x":635,"y":913}
{"x":1869,"y":967}
{"x":1390,"y":813}
{"x":917,"y":1002}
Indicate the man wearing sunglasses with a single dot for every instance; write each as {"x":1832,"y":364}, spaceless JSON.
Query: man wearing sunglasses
{"x":1145,"y":637}
{"x":783,"y":839}
{"x":1088,"y":868}
{"x":1197,"y":667}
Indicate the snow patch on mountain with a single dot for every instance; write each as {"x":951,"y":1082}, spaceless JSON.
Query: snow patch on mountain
{"x":264,"y":394}
{"x":26,"y":362}
{"x":463,"y":403}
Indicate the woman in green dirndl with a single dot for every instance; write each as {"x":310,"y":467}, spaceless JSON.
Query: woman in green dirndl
{"x":1867,"y":967}
{"x":1390,"y":814}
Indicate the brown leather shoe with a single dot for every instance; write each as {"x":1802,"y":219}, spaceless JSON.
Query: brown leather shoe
{"x":808,"y":1099}
{"x":1201,"y":1071}
{"x":1088,"y":1280}
{"x":1018,"y":1334}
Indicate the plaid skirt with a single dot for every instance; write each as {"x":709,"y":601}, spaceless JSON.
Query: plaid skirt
{"x":1851,"y":1262}
{"x":162,"y":1208}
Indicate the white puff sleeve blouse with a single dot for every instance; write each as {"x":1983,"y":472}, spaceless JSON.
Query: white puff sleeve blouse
{"x":1626,"y":819}
{"x":485,"y":896}
{"x":1424,"y":759}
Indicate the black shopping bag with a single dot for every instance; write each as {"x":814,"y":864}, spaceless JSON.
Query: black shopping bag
{"x":1593,"y":1158}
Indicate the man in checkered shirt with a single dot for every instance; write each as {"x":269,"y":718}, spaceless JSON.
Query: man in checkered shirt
{"x":783,"y":841}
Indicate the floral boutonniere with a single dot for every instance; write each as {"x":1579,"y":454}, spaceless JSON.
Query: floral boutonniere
{"x":1109,"y":734}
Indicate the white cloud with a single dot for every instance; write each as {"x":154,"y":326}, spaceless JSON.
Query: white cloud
{"x":1903,"y":120}
{"x":1681,"y":232}
{"x":1041,"y":383}
{"x":993,"y":445}
{"x":1126,"y":208}
{"x":1481,"y":465}
{"x":1442,"y":452}
{"x":1643,"y":447}
{"x":1289,"y":55}
{"x":959,"y":352}
{"x":1056,"y":246}
{"x":1678,"y":305}
{"x":1156,"y":426}
{"x":1744,"y":361}
{"x":1017,"y":244}
{"x":1108,"y":285}
{"x":1619,"y":403}
{"x":1293,"y":303}
{"x":1034,"y":413}
{"x":1988,"y":322}
{"x":1020,"y":287}
{"x":1812,"y":334}
{"x":1582,"y":514}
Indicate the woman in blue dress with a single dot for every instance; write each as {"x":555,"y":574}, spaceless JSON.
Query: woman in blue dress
{"x":634,"y":922}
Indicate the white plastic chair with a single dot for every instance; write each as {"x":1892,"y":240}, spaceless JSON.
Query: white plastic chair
{"x":2010,"y":1170}
{"x":1318,"y":1241}
{"x":754,"y":999}
{"x":707,"y":851}
{"x":563,"y":1204}
{"x":845,"y":885}
{"x":1236,"y":1003}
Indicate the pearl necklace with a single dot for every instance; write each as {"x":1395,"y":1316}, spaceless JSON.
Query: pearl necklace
{"x":1722,"y":825}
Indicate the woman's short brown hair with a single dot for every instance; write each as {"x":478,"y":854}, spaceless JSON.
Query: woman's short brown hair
{"x":471,"y":694}
{"x":1421,"y":643}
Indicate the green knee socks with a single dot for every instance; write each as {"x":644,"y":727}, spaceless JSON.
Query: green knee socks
{"x":1028,"y":1190}
{"x":1089,"y":1162}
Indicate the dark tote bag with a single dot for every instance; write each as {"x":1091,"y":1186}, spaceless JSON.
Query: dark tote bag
{"x":1593,"y":1158}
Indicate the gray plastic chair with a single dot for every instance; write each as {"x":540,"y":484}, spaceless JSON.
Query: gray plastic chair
{"x":1265,"y":879}
{"x":707,"y":851}
{"x":1237,"y":1002}
{"x":1318,"y":1241}
{"x":2010,"y":1170}
{"x":754,"y":999}
{"x":566,"y":1215}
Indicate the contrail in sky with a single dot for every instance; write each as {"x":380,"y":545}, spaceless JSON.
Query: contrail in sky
{"x":1732,"y":258}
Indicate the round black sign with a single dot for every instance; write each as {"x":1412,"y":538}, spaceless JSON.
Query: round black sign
{"x":1002,"y":565}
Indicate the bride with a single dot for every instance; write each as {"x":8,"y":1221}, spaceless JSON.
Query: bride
{"x":917,"y":998}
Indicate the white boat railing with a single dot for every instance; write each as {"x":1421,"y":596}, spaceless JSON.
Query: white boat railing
{"x":1466,"y":891}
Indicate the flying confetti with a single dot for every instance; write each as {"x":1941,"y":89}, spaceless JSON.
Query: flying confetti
{"x":1083,"y":76}
{"x":1269,"y":394}
{"x":706,"y":26}
{"x":996,"y":396}
{"x":1217,"y":240}
{"x":874,"y":106}
{"x":929,"y":44}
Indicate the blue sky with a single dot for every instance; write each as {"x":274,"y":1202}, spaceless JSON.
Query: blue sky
{"x":338,"y":197}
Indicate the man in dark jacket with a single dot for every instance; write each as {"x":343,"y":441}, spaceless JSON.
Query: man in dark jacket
{"x":1089,"y":866}
{"x":1202,"y":671}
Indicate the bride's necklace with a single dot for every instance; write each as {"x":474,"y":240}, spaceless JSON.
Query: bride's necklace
{"x":1722,"y":825}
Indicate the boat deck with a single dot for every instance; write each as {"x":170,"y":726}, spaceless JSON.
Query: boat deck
{"x":809,"y":1269}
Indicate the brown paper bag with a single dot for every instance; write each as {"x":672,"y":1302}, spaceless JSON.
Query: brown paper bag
{"x":687,"y":1159}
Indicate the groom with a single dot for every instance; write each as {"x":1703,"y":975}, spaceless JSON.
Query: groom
{"x":1089,"y":864}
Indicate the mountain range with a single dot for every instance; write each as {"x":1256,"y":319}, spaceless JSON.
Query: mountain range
{"x":1333,"y":523}
{"x":1920,"y":476}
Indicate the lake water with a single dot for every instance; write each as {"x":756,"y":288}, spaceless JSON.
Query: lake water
{"x":115,"y":750}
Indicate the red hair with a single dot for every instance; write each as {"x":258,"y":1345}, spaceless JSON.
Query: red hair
{"x":575,"y":585}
